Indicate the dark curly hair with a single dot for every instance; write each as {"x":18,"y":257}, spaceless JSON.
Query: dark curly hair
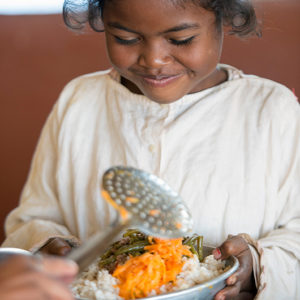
{"x":239,"y":15}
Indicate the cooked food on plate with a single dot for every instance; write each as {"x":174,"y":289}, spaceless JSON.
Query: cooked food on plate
{"x":139,"y":266}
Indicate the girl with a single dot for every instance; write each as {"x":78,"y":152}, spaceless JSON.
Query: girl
{"x":226,"y":141}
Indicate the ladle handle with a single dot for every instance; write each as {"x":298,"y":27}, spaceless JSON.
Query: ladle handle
{"x":95,"y":246}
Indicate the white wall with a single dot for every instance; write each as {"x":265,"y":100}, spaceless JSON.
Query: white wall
{"x":15,"y":7}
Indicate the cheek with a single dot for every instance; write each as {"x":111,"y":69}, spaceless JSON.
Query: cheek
{"x":120,"y":57}
{"x":203,"y":56}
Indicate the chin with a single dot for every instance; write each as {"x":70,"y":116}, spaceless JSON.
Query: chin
{"x":162,"y":98}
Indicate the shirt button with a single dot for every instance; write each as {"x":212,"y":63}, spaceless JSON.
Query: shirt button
{"x":151,"y":148}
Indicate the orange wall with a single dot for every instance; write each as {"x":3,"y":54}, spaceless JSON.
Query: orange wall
{"x":277,"y":54}
{"x":38,"y":56}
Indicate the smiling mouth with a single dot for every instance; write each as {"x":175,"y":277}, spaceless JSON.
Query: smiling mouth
{"x":161,"y":80}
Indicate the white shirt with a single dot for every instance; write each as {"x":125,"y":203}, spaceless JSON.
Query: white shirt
{"x":231,"y":152}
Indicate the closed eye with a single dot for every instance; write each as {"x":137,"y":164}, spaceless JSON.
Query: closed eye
{"x":182,"y":42}
{"x":125,"y":41}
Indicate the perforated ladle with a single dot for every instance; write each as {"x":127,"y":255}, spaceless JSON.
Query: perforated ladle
{"x":144,"y":201}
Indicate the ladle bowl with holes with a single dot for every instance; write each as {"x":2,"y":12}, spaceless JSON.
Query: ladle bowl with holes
{"x":143,"y":201}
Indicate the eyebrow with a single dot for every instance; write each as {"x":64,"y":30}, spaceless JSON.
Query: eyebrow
{"x":173,"y":29}
{"x":183,"y":27}
{"x":119,"y":26}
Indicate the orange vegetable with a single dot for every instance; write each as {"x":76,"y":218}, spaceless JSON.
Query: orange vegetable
{"x":160,"y":265}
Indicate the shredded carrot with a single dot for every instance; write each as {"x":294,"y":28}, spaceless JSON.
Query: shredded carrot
{"x":158,"y":266}
{"x":150,"y":239}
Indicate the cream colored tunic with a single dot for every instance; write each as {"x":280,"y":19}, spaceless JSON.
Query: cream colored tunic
{"x":231,"y":151}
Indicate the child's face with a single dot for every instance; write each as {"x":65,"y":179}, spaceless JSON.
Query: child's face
{"x":166,"y":50}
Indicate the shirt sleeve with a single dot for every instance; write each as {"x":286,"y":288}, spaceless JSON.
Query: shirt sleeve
{"x":39,"y":216}
{"x":277,"y":267}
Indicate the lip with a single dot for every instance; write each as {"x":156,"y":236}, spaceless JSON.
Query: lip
{"x":160,"y":80}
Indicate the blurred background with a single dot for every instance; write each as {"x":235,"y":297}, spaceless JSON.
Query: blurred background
{"x":39,"y":55}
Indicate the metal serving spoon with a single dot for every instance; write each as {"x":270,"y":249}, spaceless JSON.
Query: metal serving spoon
{"x":144,"y":201}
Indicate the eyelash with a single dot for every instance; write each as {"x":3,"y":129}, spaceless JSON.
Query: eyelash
{"x":174,"y":42}
{"x":182,"y":42}
{"x":125,"y":42}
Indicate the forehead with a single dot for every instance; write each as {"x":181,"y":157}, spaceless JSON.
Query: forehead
{"x":158,"y":2}
{"x":156,"y":14}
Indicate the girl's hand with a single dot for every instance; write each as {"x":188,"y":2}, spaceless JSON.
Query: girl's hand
{"x":241,"y":284}
{"x":29,"y":278}
{"x":56,"y":246}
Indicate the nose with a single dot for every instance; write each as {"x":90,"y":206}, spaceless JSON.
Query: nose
{"x":154,"y":55}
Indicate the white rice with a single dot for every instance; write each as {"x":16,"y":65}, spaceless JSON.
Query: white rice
{"x":98,"y":284}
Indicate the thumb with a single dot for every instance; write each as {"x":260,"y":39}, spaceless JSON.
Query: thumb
{"x":234,"y":245}
{"x":58,"y":267}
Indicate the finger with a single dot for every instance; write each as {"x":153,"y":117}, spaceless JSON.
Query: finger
{"x":59,"y":247}
{"x":56,"y":246}
{"x":31,"y":292}
{"x":61,"y":268}
{"x":239,"y":275}
{"x":232,"y":246}
{"x":16,"y":264}
{"x":246,"y":265}
{"x":14,"y":293}
{"x":35,"y":283}
{"x":229,"y":292}
{"x":217,"y":253}
{"x":231,"y":280}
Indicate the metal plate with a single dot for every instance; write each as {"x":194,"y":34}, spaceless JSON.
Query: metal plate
{"x":7,"y":252}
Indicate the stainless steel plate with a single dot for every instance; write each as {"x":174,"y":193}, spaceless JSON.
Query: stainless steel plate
{"x":7,"y":252}
{"x":204,"y":291}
